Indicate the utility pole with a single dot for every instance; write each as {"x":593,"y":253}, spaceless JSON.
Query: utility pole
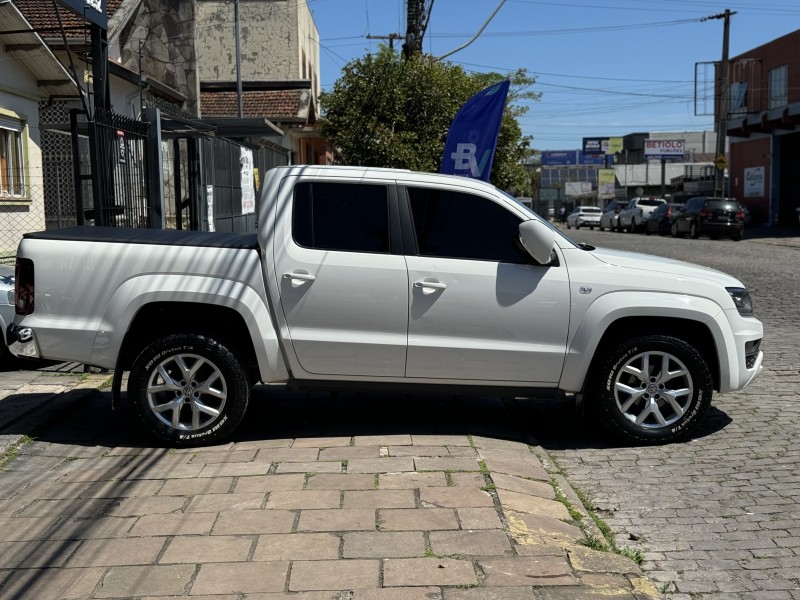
{"x":418,"y":13}
{"x":391,"y":37}
{"x":720,"y":162}
{"x":239,"y":103}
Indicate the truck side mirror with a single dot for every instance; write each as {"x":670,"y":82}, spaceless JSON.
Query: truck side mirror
{"x":537,"y":239}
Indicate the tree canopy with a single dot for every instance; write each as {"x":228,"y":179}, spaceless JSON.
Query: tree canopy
{"x":388,"y":112}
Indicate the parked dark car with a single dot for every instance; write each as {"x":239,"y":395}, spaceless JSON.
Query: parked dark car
{"x":660,"y":220}
{"x":714,"y":217}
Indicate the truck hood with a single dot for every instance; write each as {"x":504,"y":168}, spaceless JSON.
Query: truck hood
{"x":666,"y":266}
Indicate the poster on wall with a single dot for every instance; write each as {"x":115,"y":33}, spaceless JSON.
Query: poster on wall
{"x":754,"y":182}
{"x":248,"y":188}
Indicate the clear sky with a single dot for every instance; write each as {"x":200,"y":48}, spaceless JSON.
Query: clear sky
{"x":603,"y":67}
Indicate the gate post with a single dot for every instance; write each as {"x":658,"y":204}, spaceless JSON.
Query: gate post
{"x":155,"y":173}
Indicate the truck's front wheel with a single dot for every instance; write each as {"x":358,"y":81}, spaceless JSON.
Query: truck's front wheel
{"x":188,"y":389}
{"x":652,"y":389}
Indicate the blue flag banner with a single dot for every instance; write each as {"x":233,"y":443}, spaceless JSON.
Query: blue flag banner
{"x":472,"y":139}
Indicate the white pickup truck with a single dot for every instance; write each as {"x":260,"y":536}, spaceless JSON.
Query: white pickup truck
{"x":385,"y":278}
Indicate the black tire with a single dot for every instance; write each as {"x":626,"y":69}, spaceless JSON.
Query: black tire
{"x":736,"y":237}
{"x":632,"y":226}
{"x":694,"y":230}
{"x":204,"y":399}
{"x":673,"y":230}
{"x":640,"y":408}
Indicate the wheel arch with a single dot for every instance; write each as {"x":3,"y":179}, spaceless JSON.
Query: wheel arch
{"x":693,"y":332}
{"x":159,"y":319}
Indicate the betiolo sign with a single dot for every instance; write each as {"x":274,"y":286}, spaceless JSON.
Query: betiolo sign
{"x":654,"y":149}
{"x":93,"y":11}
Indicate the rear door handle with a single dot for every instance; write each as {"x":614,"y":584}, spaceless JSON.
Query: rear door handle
{"x":299,"y":277}
{"x":429,"y":285}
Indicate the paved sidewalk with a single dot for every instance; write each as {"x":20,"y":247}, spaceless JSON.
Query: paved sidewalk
{"x":326,"y":501}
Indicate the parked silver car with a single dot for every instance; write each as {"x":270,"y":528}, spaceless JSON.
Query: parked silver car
{"x":610,"y":217}
{"x":584,"y":216}
{"x":6,"y":304}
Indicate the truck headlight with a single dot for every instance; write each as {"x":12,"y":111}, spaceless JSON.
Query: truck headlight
{"x":742,"y":301}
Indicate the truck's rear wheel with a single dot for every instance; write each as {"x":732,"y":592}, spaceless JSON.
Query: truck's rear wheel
{"x":188,"y":389}
{"x":652,"y":389}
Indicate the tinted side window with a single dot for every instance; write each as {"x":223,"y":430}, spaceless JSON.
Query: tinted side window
{"x":459,"y":225}
{"x":341,"y":216}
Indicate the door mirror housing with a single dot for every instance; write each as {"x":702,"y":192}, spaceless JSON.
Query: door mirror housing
{"x":538,"y":240}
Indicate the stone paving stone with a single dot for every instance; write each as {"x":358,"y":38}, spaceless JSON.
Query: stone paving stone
{"x":504,"y":593}
{"x":401,"y":593}
{"x":593,"y":561}
{"x":418,"y":451}
{"x":341,"y":519}
{"x":479,"y":518}
{"x":146,"y":506}
{"x":542,"y":570}
{"x":524,"y":486}
{"x":214,"y":548}
{"x":270,"y":483}
{"x":61,"y":508}
{"x":401,"y":439}
{"x":440,"y":440}
{"x":417,"y":519}
{"x":260,"y":443}
{"x":271,"y":455}
{"x":22,"y":529}
{"x":321,"y":442}
{"x":254,"y":521}
{"x":463,"y":452}
{"x":310,"y":467}
{"x":52,"y":584}
{"x":122,"y":489}
{"x":174,"y":524}
{"x":379,"y":499}
{"x":117,"y":552}
{"x":521,"y":466}
{"x":349,"y":452}
{"x":485,"y":542}
{"x":334,"y":575}
{"x":226,"y":502}
{"x":228,"y":456}
{"x":456,"y":463}
{"x":427,"y":571}
{"x":304,"y":499}
{"x":341,"y":481}
{"x":35,"y":554}
{"x":192,"y":487}
{"x":84,"y":529}
{"x":130,"y":582}
{"x":380,"y":465}
{"x":528,"y":528}
{"x":86,"y":475}
{"x":455,"y":497}
{"x":476,"y":480}
{"x":404,"y":481}
{"x":55,"y":490}
{"x":379,"y":544}
{"x":234,"y":469}
{"x":166,"y":471}
{"x":297,"y":546}
{"x":532,"y":504}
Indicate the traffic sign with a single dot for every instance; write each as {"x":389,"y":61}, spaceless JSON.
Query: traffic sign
{"x":720,"y":162}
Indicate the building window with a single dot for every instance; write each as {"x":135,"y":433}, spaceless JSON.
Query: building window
{"x":779,"y":87}
{"x":12,"y":181}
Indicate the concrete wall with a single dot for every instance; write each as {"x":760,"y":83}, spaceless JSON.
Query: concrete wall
{"x":275,"y":36}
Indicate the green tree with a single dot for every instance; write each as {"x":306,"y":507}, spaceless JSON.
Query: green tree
{"x":388,"y":112}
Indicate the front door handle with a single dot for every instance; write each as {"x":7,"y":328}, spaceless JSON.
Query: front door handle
{"x":298,"y":277}
{"x":429,"y":285}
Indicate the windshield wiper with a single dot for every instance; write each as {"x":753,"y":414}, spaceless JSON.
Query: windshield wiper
{"x":586,"y":247}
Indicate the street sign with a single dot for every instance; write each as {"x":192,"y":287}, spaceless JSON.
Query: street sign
{"x":721,"y":162}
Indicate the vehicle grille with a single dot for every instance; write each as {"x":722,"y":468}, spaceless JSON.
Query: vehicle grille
{"x":751,"y":352}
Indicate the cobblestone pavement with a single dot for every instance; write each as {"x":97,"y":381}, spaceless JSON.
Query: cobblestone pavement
{"x":717,"y":517}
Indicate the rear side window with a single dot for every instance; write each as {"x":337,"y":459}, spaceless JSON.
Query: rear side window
{"x":722,"y":205}
{"x":649,"y":202}
{"x":341,"y":216}
{"x":458,"y":225}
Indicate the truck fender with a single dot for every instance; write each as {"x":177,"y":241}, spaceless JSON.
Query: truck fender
{"x":141,"y":290}
{"x":611,"y":307}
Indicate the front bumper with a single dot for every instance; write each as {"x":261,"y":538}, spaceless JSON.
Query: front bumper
{"x":22,"y":341}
